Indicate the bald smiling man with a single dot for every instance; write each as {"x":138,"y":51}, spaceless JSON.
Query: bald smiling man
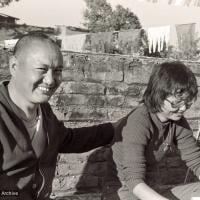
{"x":30,"y":134}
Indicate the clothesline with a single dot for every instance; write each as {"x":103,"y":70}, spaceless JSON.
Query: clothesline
{"x":195,"y":3}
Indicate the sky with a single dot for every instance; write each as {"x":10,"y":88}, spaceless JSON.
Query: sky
{"x":70,"y":12}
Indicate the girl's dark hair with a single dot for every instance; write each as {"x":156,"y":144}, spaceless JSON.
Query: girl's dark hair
{"x":169,"y":78}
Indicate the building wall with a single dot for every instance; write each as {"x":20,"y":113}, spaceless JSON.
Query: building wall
{"x":96,"y":89}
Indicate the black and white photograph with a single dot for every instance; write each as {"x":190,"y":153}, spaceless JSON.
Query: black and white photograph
{"x":99,"y":100}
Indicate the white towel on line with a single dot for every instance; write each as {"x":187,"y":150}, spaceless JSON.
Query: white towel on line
{"x":157,"y":36}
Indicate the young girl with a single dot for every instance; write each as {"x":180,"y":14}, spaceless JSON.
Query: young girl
{"x":153,"y":129}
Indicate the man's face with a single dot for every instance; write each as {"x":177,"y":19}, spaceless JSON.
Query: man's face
{"x":38,"y":72}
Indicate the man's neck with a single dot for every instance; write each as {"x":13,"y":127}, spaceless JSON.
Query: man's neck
{"x":29,"y":110}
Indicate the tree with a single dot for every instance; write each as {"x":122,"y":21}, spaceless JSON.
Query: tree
{"x":123,"y":18}
{"x":100,"y":17}
{"x":5,"y":2}
{"x":97,"y":15}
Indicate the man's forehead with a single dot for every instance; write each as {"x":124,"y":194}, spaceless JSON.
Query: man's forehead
{"x":40,"y":45}
{"x":30,"y":43}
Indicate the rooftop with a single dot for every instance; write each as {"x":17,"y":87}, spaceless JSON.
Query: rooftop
{"x":8,"y":16}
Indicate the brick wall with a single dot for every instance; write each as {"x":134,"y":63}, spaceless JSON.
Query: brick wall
{"x":96,"y":89}
{"x":99,"y":88}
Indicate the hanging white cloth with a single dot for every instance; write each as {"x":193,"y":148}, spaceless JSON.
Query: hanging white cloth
{"x":195,"y":3}
{"x":157,"y":36}
{"x":73,"y":42}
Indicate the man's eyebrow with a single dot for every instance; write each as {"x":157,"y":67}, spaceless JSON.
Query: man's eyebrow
{"x":45,"y":65}
{"x":48,"y":66}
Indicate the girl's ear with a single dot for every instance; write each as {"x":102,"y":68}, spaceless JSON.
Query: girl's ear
{"x":13,"y":62}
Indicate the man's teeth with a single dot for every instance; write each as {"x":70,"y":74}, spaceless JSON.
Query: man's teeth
{"x":44,"y":89}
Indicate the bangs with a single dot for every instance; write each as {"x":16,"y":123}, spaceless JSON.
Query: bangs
{"x":185,"y":84}
{"x":169,"y":78}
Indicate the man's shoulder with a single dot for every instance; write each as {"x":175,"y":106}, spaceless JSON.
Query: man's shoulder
{"x":48,"y":112}
{"x":46,"y":107}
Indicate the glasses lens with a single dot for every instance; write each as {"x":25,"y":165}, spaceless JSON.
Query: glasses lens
{"x":189,"y":104}
{"x":177,"y":105}
{"x":180,"y":104}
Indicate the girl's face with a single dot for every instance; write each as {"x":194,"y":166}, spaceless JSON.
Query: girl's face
{"x":173,"y":108}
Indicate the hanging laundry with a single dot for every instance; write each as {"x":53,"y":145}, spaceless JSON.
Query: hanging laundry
{"x":73,"y":42}
{"x":173,"y":38}
{"x":195,"y":3}
{"x":197,"y":30}
{"x":157,"y":36}
{"x":186,"y":35}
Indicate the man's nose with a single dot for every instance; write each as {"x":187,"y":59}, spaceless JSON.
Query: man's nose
{"x":49,"y":78}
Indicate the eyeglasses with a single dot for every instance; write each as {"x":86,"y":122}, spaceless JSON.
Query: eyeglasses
{"x":177,"y":105}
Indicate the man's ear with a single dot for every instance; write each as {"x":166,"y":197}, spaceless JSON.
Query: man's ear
{"x":13,"y":63}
